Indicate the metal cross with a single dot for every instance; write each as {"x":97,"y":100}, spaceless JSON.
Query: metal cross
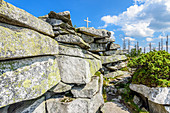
{"x":87,"y":21}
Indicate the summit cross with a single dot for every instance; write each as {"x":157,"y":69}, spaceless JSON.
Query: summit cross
{"x":87,"y":21}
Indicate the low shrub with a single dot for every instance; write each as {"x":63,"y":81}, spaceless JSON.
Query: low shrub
{"x":153,"y":69}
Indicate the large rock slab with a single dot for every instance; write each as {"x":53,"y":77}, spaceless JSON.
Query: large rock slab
{"x":97,"y":33}
{"x":94,"y":47}
{"x":159,"y":95}
{"x":112,"y":59}
{"x":64,"y":16}
{"x":87,"y":91}
{"x":55,"y":22}
{"x":105,"y":40}
{"x":116,"y":74}
{"x":18,"y":42}
{"x":72,"y":39}
{"x":30,"y":106}
{"x":56,"y":105}
{"x":76,"y":51}
{"x":61,"y":87}
{"x":114,"y":46}
{"x":87,"y":38}
{"x":16,"y":16}
{"x":77,"y":70}
{"x":158,"y":108}
{"x":95,"y":103}
{"x":27,"y":78}
{"x":59,"y":30}
{"x":60,"y":104}
{"x":111,"y":107}
{"x":117,"y":66}
{"x":110,"y":53}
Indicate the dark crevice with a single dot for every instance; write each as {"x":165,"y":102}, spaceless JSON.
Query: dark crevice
{"x":76,"y":56}
{"x":22,"y":58}
{"x":46,"y":105}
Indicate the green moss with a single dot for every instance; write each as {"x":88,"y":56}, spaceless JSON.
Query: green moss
{"x":98,"y":73}
{"x":66,"y":99}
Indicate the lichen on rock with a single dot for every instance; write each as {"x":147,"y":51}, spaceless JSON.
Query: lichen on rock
{"x":27,"y":79}
{"x":19,"y":42}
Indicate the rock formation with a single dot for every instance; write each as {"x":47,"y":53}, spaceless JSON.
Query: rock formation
{"x":158,"y":99}
{"x":48,"y":66}
{"x":45,"y":65}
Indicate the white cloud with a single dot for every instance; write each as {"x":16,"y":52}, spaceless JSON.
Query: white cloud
{"x":149,"y":39}
{"x":137,"y":30}
{"x":112,"y":35}
{"x":142,"y":19}
{"x":129,"y":38}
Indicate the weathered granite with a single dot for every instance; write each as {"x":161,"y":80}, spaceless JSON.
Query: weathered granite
{"x":15,"y":16}
{"x":77,"y":70}
{"x":159,"y":95}
{"x":117,"y":66}
{"x":60,"y":104}
{"x":61,"y":87}
{"x":54,"y":105}
{"x":76,"y":106}
{"x":110,"y":53}
{"x":87,"y":38}
{"x":74,"y":50}
{"x":105,"y":40}
{"x":59,"y":30}
{"x":64,"y":16}
{"x":31,"y":106}
{"x":55,"y":22}
{"x":111,"y":107}
{"x":94,"y":47}
{"x":66,"y":26}
{"x":97,"y":33}
{"x":158,"y":108}
{"x":114,"y":46}
{"x":95,"y":103}
{"x":116,"y":74}
{"x":72,"y":39}
{"x":112,"y":59}
{"x":87,"y":91}
{"x":18,"y":42}
{"x":27,"y":78}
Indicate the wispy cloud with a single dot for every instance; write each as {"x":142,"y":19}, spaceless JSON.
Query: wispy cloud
{"x":149,"y":39}
{"x":129,"y":38}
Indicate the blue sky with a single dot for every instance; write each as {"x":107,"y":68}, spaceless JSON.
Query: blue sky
{"x":146,"y":21}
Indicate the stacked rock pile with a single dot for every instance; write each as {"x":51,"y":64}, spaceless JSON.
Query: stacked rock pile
{"x":101,"y":43}
{"x":45,"y":66}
